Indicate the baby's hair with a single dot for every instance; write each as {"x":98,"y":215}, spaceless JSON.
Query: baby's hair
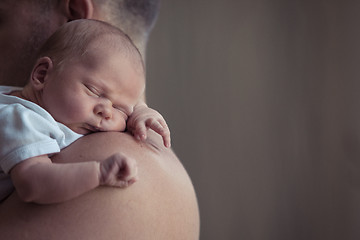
{"x":71,"y":41}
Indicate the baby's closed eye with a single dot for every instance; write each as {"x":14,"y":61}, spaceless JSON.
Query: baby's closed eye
{"x":92,"y":91}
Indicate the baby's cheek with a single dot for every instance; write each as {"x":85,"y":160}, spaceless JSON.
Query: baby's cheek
{"x":79,"y":113}
{"x":70,"y":113}
{"x":120,"y":125}
{"x":116,"y":123}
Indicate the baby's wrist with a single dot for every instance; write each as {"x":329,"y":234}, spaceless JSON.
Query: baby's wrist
{"x":141,"y":104}
{"x":99,"y":173}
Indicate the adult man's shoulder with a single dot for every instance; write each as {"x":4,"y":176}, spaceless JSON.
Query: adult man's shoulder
{"x":160,"y":205}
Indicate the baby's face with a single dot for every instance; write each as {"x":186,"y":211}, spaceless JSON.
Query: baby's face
{"x":97,"y":93}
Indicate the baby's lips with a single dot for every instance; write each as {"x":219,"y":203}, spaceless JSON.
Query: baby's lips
{"x":94,"y":128}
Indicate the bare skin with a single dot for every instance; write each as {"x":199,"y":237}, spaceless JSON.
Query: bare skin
{"x":161,"y":205}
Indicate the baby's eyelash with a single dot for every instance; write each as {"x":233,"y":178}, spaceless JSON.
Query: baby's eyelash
{"x":93,"y":90}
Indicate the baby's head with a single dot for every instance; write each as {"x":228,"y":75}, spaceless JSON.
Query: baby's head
{"x":89,"y":76}
{"x":74,"y":39}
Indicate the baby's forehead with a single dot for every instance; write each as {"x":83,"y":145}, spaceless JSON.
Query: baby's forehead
{"x":121,"y":64}
{"x":98,"y":59}
{"x":115,"y":45}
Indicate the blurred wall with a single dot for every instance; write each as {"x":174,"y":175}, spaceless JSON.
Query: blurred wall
{"x":262,"y":97}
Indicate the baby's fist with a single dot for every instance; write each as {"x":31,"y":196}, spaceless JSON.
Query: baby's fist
{"x":118,"y":171}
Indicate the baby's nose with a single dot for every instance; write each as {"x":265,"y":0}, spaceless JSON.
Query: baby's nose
{"x":103,"y":110}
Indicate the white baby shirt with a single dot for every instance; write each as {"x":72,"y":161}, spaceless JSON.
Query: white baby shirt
{"x":26,"y":130}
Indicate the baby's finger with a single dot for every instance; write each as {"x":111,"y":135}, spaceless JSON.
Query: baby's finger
{"x":167,"y":140}
{"x":166,"y":136}
{"x":160,"y":129}
{"x":128,"y":173}
{"x":163,"y":123}
{"x":140,"y":132}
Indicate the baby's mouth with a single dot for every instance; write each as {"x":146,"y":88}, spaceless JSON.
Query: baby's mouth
{"x":93,"y":128}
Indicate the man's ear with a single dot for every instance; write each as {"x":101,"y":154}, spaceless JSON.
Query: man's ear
{"x":79,"y":9}
{"x":40,"y":72}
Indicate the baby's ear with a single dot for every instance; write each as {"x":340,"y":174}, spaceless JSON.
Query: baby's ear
{"x":40,"y":72}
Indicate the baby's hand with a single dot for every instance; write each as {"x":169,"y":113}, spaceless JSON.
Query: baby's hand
{"x":144,"y":118}
{"x":118,"y":171}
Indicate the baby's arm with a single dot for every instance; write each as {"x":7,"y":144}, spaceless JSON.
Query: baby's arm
{"x":144,"y":118}
{"x":39,"y":180}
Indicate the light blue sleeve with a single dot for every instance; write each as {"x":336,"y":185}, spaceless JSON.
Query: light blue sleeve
{"x":25,"y":134}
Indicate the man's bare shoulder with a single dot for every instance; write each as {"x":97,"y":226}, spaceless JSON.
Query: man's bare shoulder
{"x":161,"y":205}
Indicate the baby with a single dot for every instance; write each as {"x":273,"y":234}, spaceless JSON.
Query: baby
{"x":88,"y":77}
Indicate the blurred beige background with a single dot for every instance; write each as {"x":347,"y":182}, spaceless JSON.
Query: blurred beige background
{"x":262,"y":97}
